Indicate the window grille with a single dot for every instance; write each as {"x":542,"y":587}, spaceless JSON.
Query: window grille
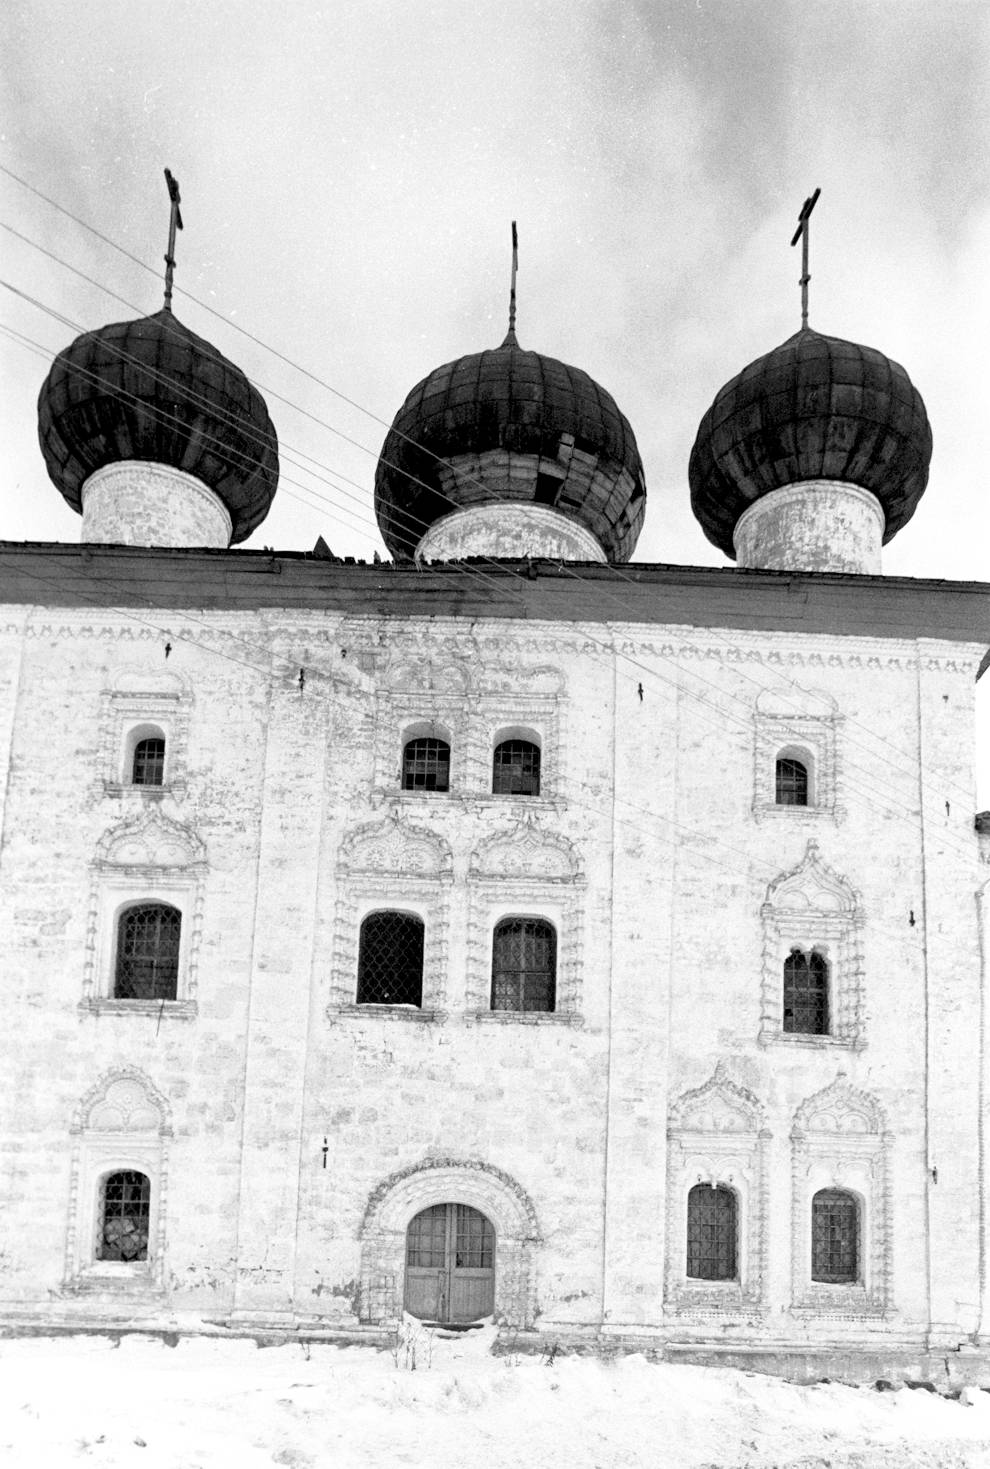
{"x":426,"y":1239}
{"x":524,"y":965}
{"x":711,"y":1233}
{"x":792,"y":783}
{"x":426,"y":765}
{"x":472,"y":1237}
{"x":148,"y":768}
{"x":834,"y":1237}
{"x":125,"y":1209}
{"x":390,"y":960}
{"x":805,"y":994}
{"x":516,"y":769}
{"x":148,"y":953}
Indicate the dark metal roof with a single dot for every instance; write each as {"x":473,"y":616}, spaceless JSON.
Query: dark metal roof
{"x":521,"y":402}
{"x":152,"y":390}
{"x":814,"y":408}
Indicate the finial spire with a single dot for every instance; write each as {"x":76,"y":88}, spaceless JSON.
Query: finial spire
{"x":801,"y":233}
{"x":175,"y":222}
{"x":510,"y":338}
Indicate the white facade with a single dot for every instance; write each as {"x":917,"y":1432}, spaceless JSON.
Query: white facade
{"x":291,"y":1134}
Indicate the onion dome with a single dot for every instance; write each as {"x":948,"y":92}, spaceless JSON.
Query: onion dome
{"x":815,"y":408}
{"x":507,"y":426}
{"x":152,"y":390}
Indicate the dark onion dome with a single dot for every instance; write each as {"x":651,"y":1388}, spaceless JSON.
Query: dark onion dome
{"x":523,"y":403}
{"x":152,"y":390}
{"x":814,"y":408}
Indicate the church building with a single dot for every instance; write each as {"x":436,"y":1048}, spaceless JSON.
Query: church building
{"x":507,"y":928}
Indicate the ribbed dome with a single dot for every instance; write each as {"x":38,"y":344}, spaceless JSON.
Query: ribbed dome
{"x":814,"y":408}
{"x":587,"y":465}
{"x":152,"y":390}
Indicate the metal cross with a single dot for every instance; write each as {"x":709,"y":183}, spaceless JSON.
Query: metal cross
{"x":175,"y":222}
{"x":801,"y":233}
{"x":511,"y":338}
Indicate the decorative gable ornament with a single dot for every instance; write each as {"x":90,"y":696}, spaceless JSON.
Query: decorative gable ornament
{"x":526,"y":853}
{"x":394,"y":846}
{"x":812,"y":887}
{"x":151,"y":840}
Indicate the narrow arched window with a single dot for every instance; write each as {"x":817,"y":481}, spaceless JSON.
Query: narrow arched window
{"x":426,"y":765}
{"x":516,"y":769}
{"x":805,"y":993}
{"x":711,"y":1233}
{"x":390,"y":960}
{"x":148,"y":765}
{"x":147,"y":966}
{"x":125,"y":1210}
{"x":524,"y":965}
{"x":834,"y":1237}
{"x":792,"y":782}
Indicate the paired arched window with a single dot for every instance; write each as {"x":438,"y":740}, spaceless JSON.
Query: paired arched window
{"x":805,"y":993}
{"x":711,"y":1233}
{"x":791,"y":781}
{"x":390,"y":960}
{"x":516,"y":768}
{"x":147,"y":963}
{"x":835,"y":1246}
{"x":426,"y":765}
{"x":524,"y":965}
{"x":125,"y":1212}
{"x":148,"y":764}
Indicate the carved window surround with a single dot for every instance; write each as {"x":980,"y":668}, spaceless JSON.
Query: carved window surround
{"x":148,"y":857}
{"x":717,"y":1134}
{"x":840,"y":1140}
{"x":391,"y":865}
{"x":802,"y":724}
{"x":812,"y":908}
{"x":122,"y":1123}
{"x":531,"y":873}
{"x":141,"y":698}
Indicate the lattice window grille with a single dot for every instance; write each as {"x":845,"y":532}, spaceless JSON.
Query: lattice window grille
{"x":516,"y":768}
{"x":148,"y":766}
{"x":426,"y":765}
{"x":806,"y":993}
{"x":711,"y":1233}
{"x":390,"y":960}
{"x":148,"y":940}
{"x":791,"y":781}
{"x":125,"y":1215}
{"x":834,"y":1237}
{"x":524,"y":965}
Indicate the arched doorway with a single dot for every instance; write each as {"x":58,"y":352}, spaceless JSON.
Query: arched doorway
{"x":450,"y":1264}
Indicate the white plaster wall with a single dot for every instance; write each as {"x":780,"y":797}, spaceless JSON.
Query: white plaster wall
{"x":508,"y":530}
{"x":136,"y":503}
{"x":813,"y":525}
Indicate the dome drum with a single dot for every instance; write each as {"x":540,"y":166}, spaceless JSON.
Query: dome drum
{"x":152,"y":391}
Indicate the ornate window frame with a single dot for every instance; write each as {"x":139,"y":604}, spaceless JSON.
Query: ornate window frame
{"x":717,"y":1134}
{"x":150,"y":858}
{"x":403,"y":1195}
{"x":393,"y":866}
{"x":140,"y":701}
{"x":840,"y":1140}
{"x":801,"y":724}
{"x":123,"y":1122}
{"x":812,"y":908}
{"x":526,"y":872}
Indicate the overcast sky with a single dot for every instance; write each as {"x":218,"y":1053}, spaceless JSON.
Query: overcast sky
{"x":349,"y":172}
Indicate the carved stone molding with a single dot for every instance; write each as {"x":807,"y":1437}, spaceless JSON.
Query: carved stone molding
{"x":526,"y":872}
{"x":801,"y":724}
{"x":399,"y":1198}
{"x":717,"y":1134}
{"x":814,"y":908}
{"x":840,"y":1140}
{"x":122,"y":1123}
{"x":137,"y":698}
{"x":148,"y":857}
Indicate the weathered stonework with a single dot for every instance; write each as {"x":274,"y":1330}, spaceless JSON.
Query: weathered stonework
{"x":135,"y":503}
{"x":812,"y":525}
{"x":508,"y":530}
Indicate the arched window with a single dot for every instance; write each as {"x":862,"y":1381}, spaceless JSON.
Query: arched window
{"x":524,"y":965}
{"x":805,"y":993}
{"x":426,"y":765}
{"x":516,"y":769}
{"x":148,"y":764}
{"x":125,"y":1210}
{"x":147,"y":966}
{"x":711,"y":1233}
{"x":390,"y":960}
{"x":792,"y":782}
{"x":834,"y":1237}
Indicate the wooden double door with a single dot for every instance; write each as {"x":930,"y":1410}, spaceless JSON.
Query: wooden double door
{"x":450,"y":1264}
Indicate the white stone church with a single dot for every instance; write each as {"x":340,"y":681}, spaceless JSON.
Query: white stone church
{"x":507,"y":928}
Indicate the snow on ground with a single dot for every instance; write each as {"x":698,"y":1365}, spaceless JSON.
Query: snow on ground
{"x":208,"y":1402}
